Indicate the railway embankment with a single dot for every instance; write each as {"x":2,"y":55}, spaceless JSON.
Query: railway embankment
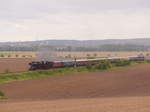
{"x":99,"y":67}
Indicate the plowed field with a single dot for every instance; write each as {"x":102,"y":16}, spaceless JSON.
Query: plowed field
{"x":14,"y":64}
{"x":120,"y":90}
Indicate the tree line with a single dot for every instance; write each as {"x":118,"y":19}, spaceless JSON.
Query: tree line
{"x":106,"y":47}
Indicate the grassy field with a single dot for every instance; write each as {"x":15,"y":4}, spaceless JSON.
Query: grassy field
{"x":21,"y":54}
{"x":99,"y":54}
{"x":63,"y":71}
{"x":18,"y":54}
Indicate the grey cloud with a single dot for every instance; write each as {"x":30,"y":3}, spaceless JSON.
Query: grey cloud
{"x":109,"y":4}
{"x":14,"y":9}
{"x":73,"y":19}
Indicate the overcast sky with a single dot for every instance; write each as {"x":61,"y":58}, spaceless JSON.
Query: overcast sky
{"x":26,"y":20}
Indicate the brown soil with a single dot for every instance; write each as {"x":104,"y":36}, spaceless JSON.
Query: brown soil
{"x":120,"y":90}
{"x":14,"y":64}
{"x":128,"y":104}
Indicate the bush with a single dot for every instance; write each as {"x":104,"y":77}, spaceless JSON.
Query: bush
{"x":17,"y":55}
{"x":139,"y":62}
{"x":7,"y":71}
{"x":103,"y":65}
{"x":2,"y":55}
{"x":9,"y":56}
{"x":2,"y":95}
{"x":148,"y":61}
{"x":122,"y":63}
{"x":89,"y":66}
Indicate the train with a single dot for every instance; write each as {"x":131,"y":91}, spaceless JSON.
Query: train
{"x":42,"y":65}
{"x":60,"y":64}
{"x":137,"y":58}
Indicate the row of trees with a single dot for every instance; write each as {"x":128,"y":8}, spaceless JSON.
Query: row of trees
{"x":16,"y":56}
{"x":106,"y":47}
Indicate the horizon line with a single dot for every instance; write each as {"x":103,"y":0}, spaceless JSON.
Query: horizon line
{"x":70,"y":40}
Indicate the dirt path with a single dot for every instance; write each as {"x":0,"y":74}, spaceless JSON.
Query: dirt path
{"x":120,"y":90}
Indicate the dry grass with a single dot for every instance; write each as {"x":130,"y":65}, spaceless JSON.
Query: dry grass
{"x":17,"y":54}
{"x":99,"y":54}
{"x":70,"y":54}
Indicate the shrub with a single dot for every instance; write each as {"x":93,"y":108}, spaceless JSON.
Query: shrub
{"x":88,"y":55}
{"x":17,"y":55}
{"x":2,"y":55}
{"x":7,"y":71}
{"x":95,"y":55}
{"x":103,"y":65}
{"x":122,"y":63}
{"x":139,"y":62}
{"x":23,"y":56}
{"x":2,"y":95}
{"x":148,"y":61}
{"x":89,"y":66}
{"x":9,"y":56}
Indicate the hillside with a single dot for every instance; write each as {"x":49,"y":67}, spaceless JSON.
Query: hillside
{"x":76,"y":45}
